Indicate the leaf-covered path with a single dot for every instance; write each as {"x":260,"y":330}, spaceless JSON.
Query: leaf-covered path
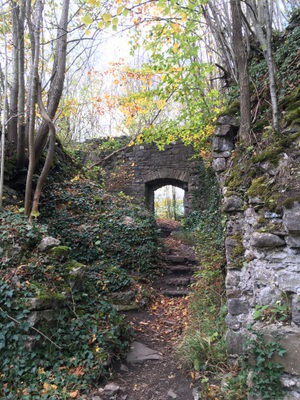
{"x":159,"y":327}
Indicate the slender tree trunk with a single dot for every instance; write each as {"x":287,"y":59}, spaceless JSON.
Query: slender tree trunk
{"x":4,"y":111}
{"x":32,"y":102}
{"x":21,"y":151}
{"x":57,"y":82}
{"x":13,"y":107}
{"x":241,"y":57}
{"x":261,"y":17}
{"x":45,"y":171}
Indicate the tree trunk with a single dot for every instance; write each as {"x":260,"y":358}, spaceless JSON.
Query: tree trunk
{"x":21,"y":150}
{"x":45,"y":171}
{"x":32,"y":102}
{"x":57,"y":80}
{"x":241,"y":57}
{"x":4,"y":111}
{"x":13,"y":107}
{"x":261,"y":17}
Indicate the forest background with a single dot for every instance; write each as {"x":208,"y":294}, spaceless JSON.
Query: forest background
{"x":186,"y":56}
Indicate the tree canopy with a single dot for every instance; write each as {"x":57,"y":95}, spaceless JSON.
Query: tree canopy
{"x":185,"y":57}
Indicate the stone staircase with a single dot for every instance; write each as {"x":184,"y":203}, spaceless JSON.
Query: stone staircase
{"x":177,"y":276}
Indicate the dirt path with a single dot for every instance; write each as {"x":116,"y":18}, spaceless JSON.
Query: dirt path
{"x":159,"y":327}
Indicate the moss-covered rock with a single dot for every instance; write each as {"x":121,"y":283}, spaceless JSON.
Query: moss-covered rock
{"x":60,"y":253}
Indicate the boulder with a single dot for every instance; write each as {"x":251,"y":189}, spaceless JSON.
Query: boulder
{"x":48,"y":243}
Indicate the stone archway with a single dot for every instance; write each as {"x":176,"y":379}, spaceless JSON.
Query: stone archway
{"x":164,"y":177}
{"x":140,"y":170}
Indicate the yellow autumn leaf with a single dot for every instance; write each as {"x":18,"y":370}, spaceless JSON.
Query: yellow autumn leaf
{"x":120,"y":10}
{"x":176,"y":27}
{"x":48,"y":387}
{"x":74,"y":394}
{"x":175,"y":47}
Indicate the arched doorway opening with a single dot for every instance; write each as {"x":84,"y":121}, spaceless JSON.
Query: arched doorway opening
{"x":153,"y":186}
{"x":169,"y":203}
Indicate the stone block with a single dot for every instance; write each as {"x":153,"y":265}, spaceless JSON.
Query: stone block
{"x":289,"y":281}
{"x":232,"y":203}
{"x":262,"y":239}
{"x":267,"y":295}
{"x":296,"y":309}
{"x":291,"y":219}
{"x":235,"y":342}
{"x":222,"y":130}
{"x":232,"y":322}
{"x":222,"y":144}
{"x":222,"y":154}
{"x":219,"y":164}
{"x":237,"y":306}
{"x":227,"y":120}
{"x":230,"y":245}
{"x":232,"y":278}
{"x":289,"y":338}
{"x":293,"y":241}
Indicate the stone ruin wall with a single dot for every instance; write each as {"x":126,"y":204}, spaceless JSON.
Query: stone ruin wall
{"x":265,"y":269}
{"x":141,"y":169}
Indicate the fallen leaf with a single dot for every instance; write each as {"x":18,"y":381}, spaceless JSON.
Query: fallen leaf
{"x":74,"y":394}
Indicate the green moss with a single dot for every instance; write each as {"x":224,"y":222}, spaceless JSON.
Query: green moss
{"x":234,"y":182}
{"x":294,"y":105}
{"x":59,"y":252}
{"x":292,"y":115}
{"x":271,"y":154}
{"x":238,"y":253}
{"x":288,"y":203}
{"x":260,"y":125}
{"x":239,"y":250}
{"x":73,"y":264}
{"x":48,"y":295}
{"x":261,"y":220}
{"x":291,"y":103}
{"x":258,"y":187}
{"x":269,"y":228}
{"x":232,"y":110}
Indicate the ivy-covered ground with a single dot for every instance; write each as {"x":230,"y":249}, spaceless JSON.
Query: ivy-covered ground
{"x":114,"y":244}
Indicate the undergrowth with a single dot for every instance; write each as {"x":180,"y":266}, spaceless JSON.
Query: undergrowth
{"x":60,"y":356}
{"x":203,"y":349}
{"x":108,"y":228}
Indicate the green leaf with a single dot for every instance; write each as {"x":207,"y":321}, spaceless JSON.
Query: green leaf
{"x":87,"y":20}
{"x":35,"y":214}
{"x":107,"y":17}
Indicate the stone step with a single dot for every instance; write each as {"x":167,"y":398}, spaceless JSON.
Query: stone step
{"x":175,"y":293}
{"x":181,"y":281}
{"x":181,"y":268}
{"x":174,"y":259}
